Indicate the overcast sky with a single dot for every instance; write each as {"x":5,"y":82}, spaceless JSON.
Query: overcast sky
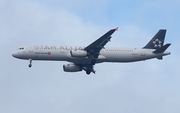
{"x":143,"y":87}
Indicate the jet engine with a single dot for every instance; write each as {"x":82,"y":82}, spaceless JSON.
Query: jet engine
{"x":71,"y":68}
{"x":78,"y":53}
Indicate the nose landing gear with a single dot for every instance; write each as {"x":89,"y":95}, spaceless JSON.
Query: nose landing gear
{"x":30,"y":63}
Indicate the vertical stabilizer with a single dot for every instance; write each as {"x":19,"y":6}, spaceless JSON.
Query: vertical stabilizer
{"x":157,"y":41}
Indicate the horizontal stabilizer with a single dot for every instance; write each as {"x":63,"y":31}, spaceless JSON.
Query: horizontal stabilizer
{"x":162,"y":49}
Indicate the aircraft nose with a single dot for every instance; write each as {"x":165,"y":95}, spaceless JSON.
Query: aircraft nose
{"x":15,"y":54}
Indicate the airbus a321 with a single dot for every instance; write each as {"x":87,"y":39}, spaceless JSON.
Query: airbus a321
{"x":84,"y":58}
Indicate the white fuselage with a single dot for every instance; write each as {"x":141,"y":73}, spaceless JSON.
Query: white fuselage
{"x":56,"y":53}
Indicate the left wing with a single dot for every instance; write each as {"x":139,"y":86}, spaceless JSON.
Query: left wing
{"x":93,"y":51}
{"x":94,"y":48}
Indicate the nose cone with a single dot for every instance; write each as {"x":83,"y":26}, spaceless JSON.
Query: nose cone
{"x":15,"y":54}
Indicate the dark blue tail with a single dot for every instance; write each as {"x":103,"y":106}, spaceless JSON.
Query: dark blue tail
{"x":157,"y":41}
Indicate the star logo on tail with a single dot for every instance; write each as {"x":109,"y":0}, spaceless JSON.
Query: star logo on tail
{"x":157,"y":43}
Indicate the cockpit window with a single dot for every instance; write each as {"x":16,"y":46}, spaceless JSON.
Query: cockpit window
{"x":21,"y":48}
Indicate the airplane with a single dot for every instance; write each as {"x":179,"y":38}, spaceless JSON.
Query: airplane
{"x":84,"y":58}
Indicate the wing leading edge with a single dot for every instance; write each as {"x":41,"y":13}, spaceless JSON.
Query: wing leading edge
{"x":97,"y":45}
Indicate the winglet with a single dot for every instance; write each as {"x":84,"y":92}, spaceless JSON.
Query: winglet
{"x":116,"y":28}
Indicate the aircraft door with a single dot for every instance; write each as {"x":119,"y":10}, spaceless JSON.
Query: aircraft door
{"x":30,"y":50}
{"x":143,"y":53}
{"x":62,"y":49}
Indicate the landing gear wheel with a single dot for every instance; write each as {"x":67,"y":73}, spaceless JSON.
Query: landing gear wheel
{"x":30,"y":65}
{"x":88,"y":72}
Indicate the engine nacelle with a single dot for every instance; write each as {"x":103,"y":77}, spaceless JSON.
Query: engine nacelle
{"x":78,"y":53}
{"x":71,"y":68}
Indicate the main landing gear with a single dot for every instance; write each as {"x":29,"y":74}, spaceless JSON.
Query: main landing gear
{"x":30,"y":63}
{"x":88,"y":71}
{"x":93,"y":62}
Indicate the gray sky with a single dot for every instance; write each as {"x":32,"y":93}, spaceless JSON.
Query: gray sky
{"x":141,"y":87}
